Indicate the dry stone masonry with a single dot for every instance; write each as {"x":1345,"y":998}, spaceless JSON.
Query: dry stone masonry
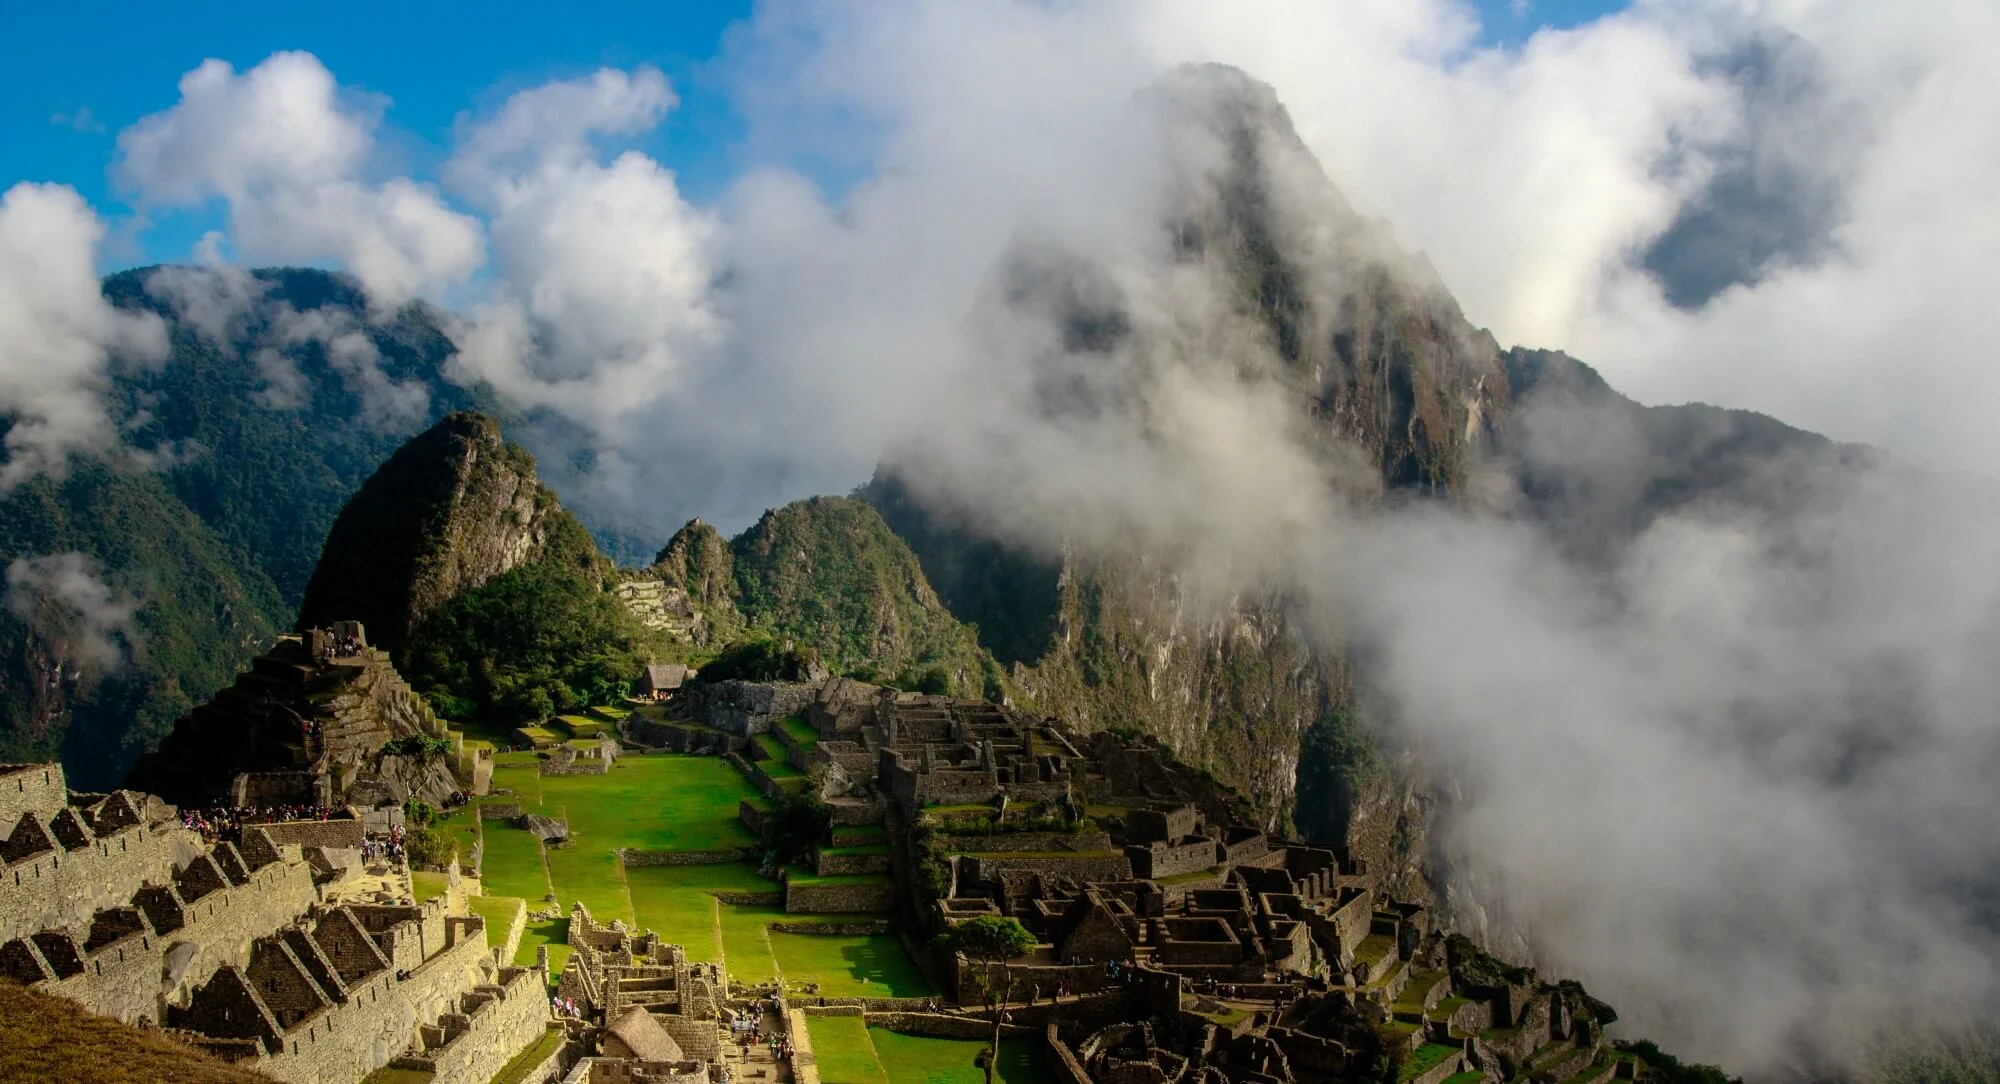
{"x":109,"y":901}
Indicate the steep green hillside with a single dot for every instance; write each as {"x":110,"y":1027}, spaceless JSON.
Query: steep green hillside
{"x":277,"y":424}
{"x":197,"y":614}
{"x":492,"y":599}
{"x":830,"y":573}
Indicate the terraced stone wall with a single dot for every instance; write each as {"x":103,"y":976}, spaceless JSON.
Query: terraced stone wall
{"x":835,"y":899}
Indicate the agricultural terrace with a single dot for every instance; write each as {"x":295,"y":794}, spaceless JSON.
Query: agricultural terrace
{"x":847,"y":1051}
{"x":665,"y":803}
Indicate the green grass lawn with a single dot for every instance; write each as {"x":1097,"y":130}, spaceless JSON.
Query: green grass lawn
{"x":849,"y":834}
{"x":512,"y":864}
{"x":499,"y":912}
{"x":555,"y":934}
{"x":843,"y":1050}
{"x":1424,"y":1059}
{"x":593,"y":876}
{"x":677,"y":902}
{"x":426,"y":885}
{"x":914,"y":1059}
{"x":463,"y":828}
{"x":840,"y":963}
{"x":799,"y":731}
{"x":516,"y":1070}
{"x":769,"y":745}
{"x":802,"y":875}
{"x":857,"y":849}
{"x":653,"y":803}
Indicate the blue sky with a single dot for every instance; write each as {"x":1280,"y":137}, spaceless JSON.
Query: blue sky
{"x":82,"y":71}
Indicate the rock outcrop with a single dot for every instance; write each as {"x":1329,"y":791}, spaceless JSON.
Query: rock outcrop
{"x":451,"y":510}
{"x":310,"y":723}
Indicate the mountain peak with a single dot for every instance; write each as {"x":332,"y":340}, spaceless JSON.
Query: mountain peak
{"x":453,"y":508}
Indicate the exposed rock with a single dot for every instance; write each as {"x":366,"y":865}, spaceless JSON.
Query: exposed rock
{"x":323,"y":718}
{"x":546,"y":829}
{"x":452,"y":509}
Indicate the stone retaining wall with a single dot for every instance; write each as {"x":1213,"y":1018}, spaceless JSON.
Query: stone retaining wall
{"x":1110,"y":867}
{"x":838,"y":899}
{"x":499,"y":811}
{"x":751,"y":899}
{"x":943,"y":1026}
{"x":344,"y":833}
{"x":835,"y":929}
{"x":685,"y":858}
{"x":839,"y":865}
{"x":1037,"y":842}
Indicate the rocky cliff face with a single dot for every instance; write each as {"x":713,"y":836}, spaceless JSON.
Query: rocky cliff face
{"x":453,"y":509}
{"x":1372,"y":356}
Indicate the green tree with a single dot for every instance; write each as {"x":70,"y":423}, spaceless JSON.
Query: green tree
{"x":987,"y":940}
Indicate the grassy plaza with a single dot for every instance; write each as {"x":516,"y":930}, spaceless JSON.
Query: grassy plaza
{"x":666,"y":803}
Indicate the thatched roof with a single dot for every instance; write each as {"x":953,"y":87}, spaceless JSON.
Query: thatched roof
{"x":644,"y":1036}
{"x":664,"y":676}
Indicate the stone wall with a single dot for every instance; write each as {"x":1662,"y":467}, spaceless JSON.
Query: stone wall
{"x":842,"y":865}
{"x":747,"y":708}
{"x":30,"y":788}
{"x":1172,"y":859}
{"x":697,"y":1038}
{"x":1061,"y":1062}
{"x":344,"y":832}
{"x":685,"y":858}
{"x":1020,"y":842}
{"x":834,"y":899}
{"x":1081,"y":867}
{"x":57,"y":886}
{"x":941,"y":1026}
{"x":515,"y":1014}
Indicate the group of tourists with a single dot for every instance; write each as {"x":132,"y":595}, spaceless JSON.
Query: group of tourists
{"x":566,"y":1007}
{"x":383,"y":845}
{"x":220,"y":823}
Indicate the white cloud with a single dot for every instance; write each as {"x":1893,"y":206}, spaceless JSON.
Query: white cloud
{"x":80,"y":119}
{"x":63,"y":597}
{"x":58,"y":336}
{"x":600,"y":277}
{"x":287,"y":152}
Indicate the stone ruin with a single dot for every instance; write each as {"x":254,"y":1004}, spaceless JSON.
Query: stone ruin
{"x":1203,"y":948}
{"x":307,"y":724}
{"x":244,"y":950}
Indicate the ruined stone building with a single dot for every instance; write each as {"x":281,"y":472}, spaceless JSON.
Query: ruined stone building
{"x":239,"y":950}
{"x":306,"y":724}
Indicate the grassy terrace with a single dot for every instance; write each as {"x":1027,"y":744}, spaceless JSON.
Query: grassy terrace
{"x":670,"y":803}
{"x":854,"y":849}
{"x":426,"y":885}
{"x":516,"y":1071}
{"x":1414,"y":991}
{"x":1444,"y":1009}
{"x":851,"y":834}
{"x":499,"y":912}
{"x":577,"y":726}
{"x":1210,"y":873}
{"x":1470,"y":1076}
{"x":1373,"y":948}
{"x":1426,"y":1057}
{"x":799,"y":730}
{"x":773,"y":761}
{"x":848,"y":1052}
